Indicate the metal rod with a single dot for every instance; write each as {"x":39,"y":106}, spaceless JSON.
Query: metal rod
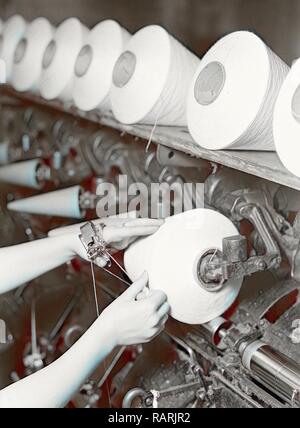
{"x":111,"y":367}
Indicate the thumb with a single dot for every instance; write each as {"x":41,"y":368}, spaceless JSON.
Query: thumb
{"x":137,"y":287}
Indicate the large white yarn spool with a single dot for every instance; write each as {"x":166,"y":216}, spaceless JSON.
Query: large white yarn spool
{"x":95,"y":63}
{"x":3,"y":77}
{"x":287,"y":121}
{"x":171,"y":258}
{"x":59,"y":59}
{"x":233,"y":93}
{"x":12,"y":32}
{"x":151,"y":79}
{"x":27,"y":63}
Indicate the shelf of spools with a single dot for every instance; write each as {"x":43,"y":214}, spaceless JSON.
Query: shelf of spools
{"x":266,"y":165}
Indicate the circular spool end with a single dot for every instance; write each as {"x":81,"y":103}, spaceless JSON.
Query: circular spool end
{"x":296,"y":104}
{"x":49,"y":54}
{"x":124,"y":69}
{"x":1,"y":43}
{"x":20,"y":50}
{"x":84,"y":61}
{"x":210,"y":83}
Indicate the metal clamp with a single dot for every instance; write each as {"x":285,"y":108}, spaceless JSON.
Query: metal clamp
{"x":92,"y":239}
{"x":216,"y":267}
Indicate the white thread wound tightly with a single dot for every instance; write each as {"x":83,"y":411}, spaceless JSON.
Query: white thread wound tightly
{"x":171,"y":259}
{"x":157,"y":90}
{"x":27,"y":66}
{"x":241,"y":115}
{"x":95,"y":63}
{"x":287,"y":121}
{"x":57,"y":78}
{"x":12,"y":32}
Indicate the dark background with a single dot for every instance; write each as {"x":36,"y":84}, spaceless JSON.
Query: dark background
{"x":198,"y":23}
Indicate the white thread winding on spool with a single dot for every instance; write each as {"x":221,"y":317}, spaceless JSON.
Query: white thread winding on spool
{"x":151,"y":79}
{"x":59,"y":59}
{"x":287,"y":121}
{"x":233,"y":93}
{"x":95,"y":64}
{"x":12,"y":32}
{"x":27,"y":65}
{"x":171,"y":258}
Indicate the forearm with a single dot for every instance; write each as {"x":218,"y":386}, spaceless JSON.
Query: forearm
{"x":54,"y":386}
{"x":24,"y":262}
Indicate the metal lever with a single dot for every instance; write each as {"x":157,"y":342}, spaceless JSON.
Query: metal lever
{"x":216,"y":267}
{"x":92,"y":240}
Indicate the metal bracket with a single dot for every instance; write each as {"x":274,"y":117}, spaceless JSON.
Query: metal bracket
{"x":217,"y":267}
{"x":92,"y":240}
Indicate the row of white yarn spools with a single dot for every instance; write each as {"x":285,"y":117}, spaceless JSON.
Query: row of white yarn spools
{"x":240,"y":96}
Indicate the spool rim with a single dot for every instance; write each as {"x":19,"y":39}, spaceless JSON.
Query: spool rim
{"x":84,"y":61}
{"x":150,"y":100}
{"x":20,"y":51}
{"x":49,"y":54}
{"x":124,"y":69}
{"x":210,"y":83}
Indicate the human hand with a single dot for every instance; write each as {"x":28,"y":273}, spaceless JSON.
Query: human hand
{"x":117,"y":233}
{"x":122,"y":233}
{"x":135,"y":319}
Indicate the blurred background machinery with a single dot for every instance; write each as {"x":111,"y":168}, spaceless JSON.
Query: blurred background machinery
{"x":250,"y":357}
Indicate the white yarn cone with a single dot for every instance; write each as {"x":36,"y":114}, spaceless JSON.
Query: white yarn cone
{"x":59,"y":60}
{"x":27,"y":64}
{"x":61,"y":203}
{"x":12,"y":32}
{"x":232,"y":96}
{"x":151,"y":79}
{"x":287,"y":121}
{"x":95,"y":64}
{"x":171,"y":257}
{"x":3,"y":153}
{"x":21,"y":173}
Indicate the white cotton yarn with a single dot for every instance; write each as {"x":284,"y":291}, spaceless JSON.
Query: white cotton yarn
{"x":151,"y":79}
{"x":12,"y":32}
{"x":232,"y":96}
{"x":95,"y":63}
{"x":59,"y":59}
{"x":287,"y":121}
{"x":171,"y":258}
{"x":27,"y":63}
